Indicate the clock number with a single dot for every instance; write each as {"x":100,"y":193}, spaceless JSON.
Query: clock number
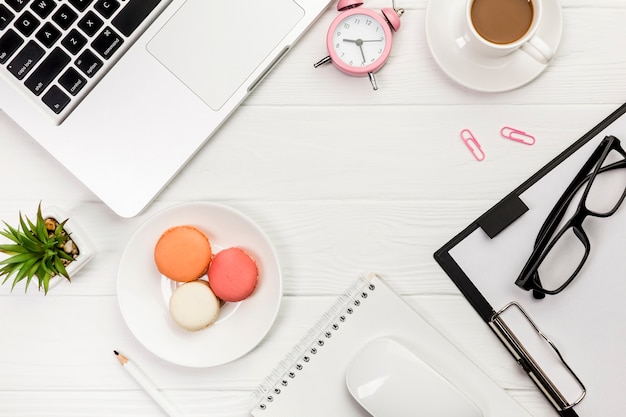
{"x":337,"y":46}
{"x":357,"y":21}
{"x":368,"y":22}
{"x":338,"y":33}
{"x":346,"y":25}
{"x":380,"y":51}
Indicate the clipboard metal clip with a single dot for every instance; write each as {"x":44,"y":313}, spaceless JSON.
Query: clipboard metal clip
{"x":526,"y":361}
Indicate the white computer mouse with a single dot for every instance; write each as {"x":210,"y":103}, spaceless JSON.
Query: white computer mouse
{"x":389,"y":380}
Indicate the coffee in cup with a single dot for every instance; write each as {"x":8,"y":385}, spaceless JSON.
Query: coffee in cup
{"x":496,"y":28}
{"x":502,"y":21}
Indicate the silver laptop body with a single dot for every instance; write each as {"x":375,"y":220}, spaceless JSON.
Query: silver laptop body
{"x":125,"y":116}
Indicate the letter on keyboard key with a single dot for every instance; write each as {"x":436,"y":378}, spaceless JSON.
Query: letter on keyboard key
{"x":48,"y":35}
{"x":74,"y":41}
{"x":65,"y":16}
{"x":27,"y":23}
{"x":47,"y":71}
{"x":131,"y":16}
{"x":43,"y":7}
{"x":107,"y":7}
{"x":25,"y":60}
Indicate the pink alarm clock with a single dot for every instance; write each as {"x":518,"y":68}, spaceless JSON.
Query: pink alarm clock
{"x":359,"y":39}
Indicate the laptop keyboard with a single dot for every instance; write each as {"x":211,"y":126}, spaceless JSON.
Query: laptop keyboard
{"x":57,"y":51}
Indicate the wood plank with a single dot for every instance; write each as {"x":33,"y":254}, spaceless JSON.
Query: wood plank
{"x":192,"y":403}
{"x":585,"y":66}
{"x":36,"y":365}
{"x":329,"y":147}
{"x":66,"y":343}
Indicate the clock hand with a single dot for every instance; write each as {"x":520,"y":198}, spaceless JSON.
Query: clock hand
{"x":361,"y":48}
{"x":359,"y":43}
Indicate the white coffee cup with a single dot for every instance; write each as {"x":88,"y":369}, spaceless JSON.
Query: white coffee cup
{"x":528,"y":42}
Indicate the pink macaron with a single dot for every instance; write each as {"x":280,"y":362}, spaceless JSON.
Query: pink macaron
{"x":233,"y":274}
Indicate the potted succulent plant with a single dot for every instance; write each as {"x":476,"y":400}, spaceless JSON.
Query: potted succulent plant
{"x":47,"y":249}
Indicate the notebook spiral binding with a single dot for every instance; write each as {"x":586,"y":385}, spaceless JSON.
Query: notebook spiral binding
{"x":321,"y":333}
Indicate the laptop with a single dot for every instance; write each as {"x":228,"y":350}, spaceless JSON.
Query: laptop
{"x":124,"y":92}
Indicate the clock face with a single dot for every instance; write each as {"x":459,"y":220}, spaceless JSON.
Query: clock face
{"x":359,"y":40}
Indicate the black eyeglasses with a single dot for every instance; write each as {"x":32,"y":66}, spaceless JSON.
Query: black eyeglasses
{"x":562,"y":246}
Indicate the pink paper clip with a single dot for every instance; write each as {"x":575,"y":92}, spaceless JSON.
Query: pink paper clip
{"x":517,"y":135}
{"x":472,"y":144}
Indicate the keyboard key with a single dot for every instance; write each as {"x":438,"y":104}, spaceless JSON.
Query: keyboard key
{"x":107,"y":43}
{"x":56,"y":99}
{"x":74,"y":42}
{"x":25,"y":60}
{"x":90,"y":24}
{"x":5,"y":16}
{"x":106,"y":7}
{"x":131,"y":16}
{"x":17,"y":5}
{"x":64,"y":17}
{"x":81,"y":5}
{"x":47,"y":71}
{"x":72,"y":81}
{"x":43,"y":7}
{"x":27,"y":23}
{"x":88,"y":63}
{"x":48,"y":35}
{"x":9,"y":43}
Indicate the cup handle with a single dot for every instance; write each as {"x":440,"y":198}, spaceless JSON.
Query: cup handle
{"x":538,"y":49}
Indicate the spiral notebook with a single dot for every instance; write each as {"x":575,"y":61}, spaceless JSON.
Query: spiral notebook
{"x":310,"y":380}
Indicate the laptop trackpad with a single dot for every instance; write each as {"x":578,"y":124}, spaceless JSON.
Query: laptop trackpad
{"x":212,"y":46}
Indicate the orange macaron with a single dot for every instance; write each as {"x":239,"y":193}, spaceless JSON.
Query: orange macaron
{"x":233,"y":274}
{"x":183,"y":253}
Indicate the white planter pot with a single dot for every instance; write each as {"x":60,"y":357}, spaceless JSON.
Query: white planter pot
{"x":85,"y":247}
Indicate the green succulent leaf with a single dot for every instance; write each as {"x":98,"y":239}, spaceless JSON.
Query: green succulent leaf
{"x":11,"y":233}
{"x":35,"y":251}
{"x":13,"y":249}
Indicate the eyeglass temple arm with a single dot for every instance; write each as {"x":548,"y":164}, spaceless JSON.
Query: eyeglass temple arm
{"x":582,"y":177}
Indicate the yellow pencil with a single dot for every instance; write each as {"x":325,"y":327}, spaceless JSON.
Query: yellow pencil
{"x":147,"y":385}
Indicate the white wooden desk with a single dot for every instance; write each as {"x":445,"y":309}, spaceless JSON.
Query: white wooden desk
{"x":343,"y":179}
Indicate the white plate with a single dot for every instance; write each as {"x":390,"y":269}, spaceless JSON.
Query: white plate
{"x":143,"y":293}
{"x":444,"y":34}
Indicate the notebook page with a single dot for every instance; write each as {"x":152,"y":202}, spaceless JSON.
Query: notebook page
{"x":318,"y":387}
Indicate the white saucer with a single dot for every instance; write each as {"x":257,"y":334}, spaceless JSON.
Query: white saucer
{"x":143,"y":294}
{"x":444,"y":28}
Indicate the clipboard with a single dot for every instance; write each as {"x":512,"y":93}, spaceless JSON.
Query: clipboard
{"x":572,"y":345}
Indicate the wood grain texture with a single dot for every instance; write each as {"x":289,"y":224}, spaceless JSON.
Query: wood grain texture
{"x":343,"y":180}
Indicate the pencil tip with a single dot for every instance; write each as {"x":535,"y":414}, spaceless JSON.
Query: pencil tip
{"x":116,"y":352}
